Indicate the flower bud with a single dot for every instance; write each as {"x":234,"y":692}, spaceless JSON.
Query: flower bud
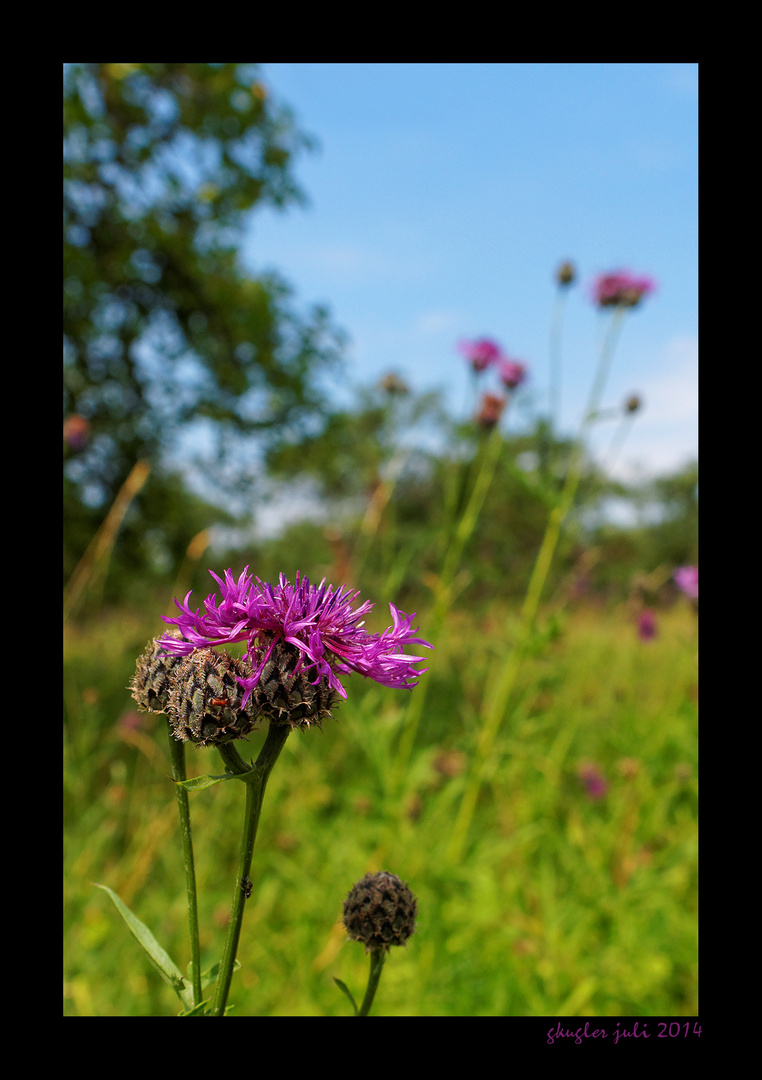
{"x":566,"y":273}
{"x":490,"y":410}
{"x":394,"y":384}
{"x":380,"y":911}
{"x":287,"y":695}
{"x":152,"y":682}
{"x":204,"y":704}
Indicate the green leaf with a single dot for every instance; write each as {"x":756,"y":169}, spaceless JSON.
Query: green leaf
{"x":202,"y":1009}
{"x":345,"y":989}
{"x":163,"y":963}
{"x":198,"y":783}
{"x":208,"y":977}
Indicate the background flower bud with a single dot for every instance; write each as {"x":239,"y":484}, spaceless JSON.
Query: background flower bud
{"x":380,"y":911}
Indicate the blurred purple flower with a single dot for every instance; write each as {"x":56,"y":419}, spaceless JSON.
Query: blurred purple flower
{"x":621,"y":289}
{"x":480,"y":353}
{"x":318,"y":621}
{"x":647,"y":629}
{"x":595,"y":782}
{"x":76,"y":431}
{"x":512,"y":373}
{"x":686,"y":579}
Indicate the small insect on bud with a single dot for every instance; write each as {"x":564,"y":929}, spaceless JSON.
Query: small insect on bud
{"x":204,"y":705}
{"x":380,"y":911}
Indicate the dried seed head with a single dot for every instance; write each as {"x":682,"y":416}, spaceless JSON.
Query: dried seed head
{"x":380,"y":911}
{"x":204,"y":704}
{"x":490,"y":410}
{"x":286,"y":695}
{"x":154,"y":674}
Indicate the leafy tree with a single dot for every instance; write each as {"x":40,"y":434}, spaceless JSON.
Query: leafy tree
{"x":164,"y":334}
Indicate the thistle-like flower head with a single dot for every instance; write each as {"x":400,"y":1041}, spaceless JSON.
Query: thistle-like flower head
{"x":480,"y":353}
{"x":512,"y":373}
{"x":621,"y":289}
{"x":380,"y":911}
{"x":319,"y":623}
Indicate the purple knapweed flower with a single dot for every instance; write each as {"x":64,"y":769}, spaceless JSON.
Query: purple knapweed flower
{"x":595,"y":782}
{"x":512,"y":373}
{"x":480,"y":353}
{"x":621,"y":289}
{"x":686,"y":579}
{"x":647,"y":629}
{"x":318,"y":621}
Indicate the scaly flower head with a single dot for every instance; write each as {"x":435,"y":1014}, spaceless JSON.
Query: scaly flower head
{"x":621,"y":289}
{"x":318,"y":623}
{"x":480,"y":353}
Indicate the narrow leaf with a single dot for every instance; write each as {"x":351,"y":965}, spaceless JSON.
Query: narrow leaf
{"x":209,"y":977}
{"x":203,"y":1008}
{"x":198,"y":783}
{"x":343,"y":987}
{"x":163,"y":963}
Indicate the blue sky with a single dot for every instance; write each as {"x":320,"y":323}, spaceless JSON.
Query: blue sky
{"x":443,"y":197}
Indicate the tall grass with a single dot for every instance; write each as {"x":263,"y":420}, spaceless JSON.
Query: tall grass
{"x":558,"y":903}
{"x":537,"y":790}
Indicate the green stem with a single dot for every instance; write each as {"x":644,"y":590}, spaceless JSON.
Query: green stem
{"x":256,"y":782}
{"x":502,"y":687}
{"x":377,"y":957}
{"x":177,"y":752}
{"x":555,"y":359}
{"x":463,"y":532}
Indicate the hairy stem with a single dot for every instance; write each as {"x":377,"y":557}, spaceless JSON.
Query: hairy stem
{"x":377,"y":957}
{"x":255,"y":782}
{"x":177,"y":752}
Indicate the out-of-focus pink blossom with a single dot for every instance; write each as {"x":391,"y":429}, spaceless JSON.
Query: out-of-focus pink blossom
{"x":621,"y":289}
{"x":512,"y":373}
{"x":595,"y":782}
{"x":647,"y":629}
{"x":76,"y":431}
{"x":480,"y":353}
{"x":686,"y":579}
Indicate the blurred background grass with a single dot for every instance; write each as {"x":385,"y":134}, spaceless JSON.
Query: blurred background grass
{"x":577,"y":891}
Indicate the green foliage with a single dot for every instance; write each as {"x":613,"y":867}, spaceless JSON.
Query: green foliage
{"x":393,"y":475}
{"x":561,"y":904}
{"x":164,"y":334}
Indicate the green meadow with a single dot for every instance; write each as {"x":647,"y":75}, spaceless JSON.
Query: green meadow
{"x":569,"y":888}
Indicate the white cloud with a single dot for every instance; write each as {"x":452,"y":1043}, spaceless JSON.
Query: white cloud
{"x":671,"y":395}
{"x":664,"y":434}
{"x":435,"y":322}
